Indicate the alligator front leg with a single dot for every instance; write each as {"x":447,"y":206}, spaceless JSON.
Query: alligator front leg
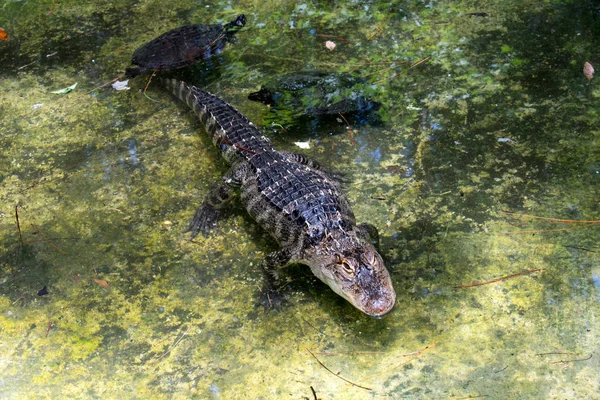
{"x":207,"y":215}
{"x":369,"y":233}
{"x":270,"y":298}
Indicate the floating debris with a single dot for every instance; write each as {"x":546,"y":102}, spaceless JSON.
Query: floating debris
{"x":36,"y":106}
{"x":43,"y":292}
{"x":330,"y":45}
{"x":121,"y":85}
{"x":588,"y":70}
{"x":506,"y":140}
{"x":101,"y":282}
{"x":66,"y":90}
{"x":303,"y":145}
{"x":3,"y":34}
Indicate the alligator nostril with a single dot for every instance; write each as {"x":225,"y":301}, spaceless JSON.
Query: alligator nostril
{"x":380,"y":306}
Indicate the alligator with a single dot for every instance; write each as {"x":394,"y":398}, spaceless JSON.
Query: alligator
{"x":299,"y":203}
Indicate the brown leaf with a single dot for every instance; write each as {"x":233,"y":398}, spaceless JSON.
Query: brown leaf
{"x":588,"y":70}
{"x":396,"y":169}
{"x":101,"y":282}
{"x":3,"y":34}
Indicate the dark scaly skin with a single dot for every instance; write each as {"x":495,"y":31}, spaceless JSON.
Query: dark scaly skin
{"x":183,"y":46}
{"x":300,"y":205}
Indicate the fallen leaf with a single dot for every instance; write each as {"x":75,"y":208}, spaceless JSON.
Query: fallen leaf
{"x":330,"y":45}
{"x":101,"y":282}
{"x":65,"y":90}
{"x":303,"y":145}
{"x":3,"y":34}
{"x":396,"y":169}
{"x":121,"y":85}
{"x":588,"y":70}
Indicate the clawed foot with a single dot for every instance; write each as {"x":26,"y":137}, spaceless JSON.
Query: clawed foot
{"x":205,"y":220}
{"x":271,"y":299}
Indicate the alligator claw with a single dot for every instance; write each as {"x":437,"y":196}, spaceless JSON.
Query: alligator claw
{"x":205,"y":220}
{"x":271,"y":299}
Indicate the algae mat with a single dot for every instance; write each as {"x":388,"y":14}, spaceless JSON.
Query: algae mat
{"x":481,"y":170}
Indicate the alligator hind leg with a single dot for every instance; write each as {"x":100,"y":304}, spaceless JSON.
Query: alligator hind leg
{"x":207,"y":215}
{"x":270,"y":298}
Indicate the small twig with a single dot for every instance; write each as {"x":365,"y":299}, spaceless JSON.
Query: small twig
{"x":575,"y":360}
{"x":538,"y":231}
{"x":148,"y":84}
{"x":499,"y":279}
{"x":417,"y":354}
{"x":348,"y":128}
{"x":314,"y":393}
{"x":566,"y":221}
{"x":105,"y":84}
{"x":45,"y":239}
{"x":50,"y":325}
{"x":26,"y":65}
{"x":421,"y":61}
{"x":333,"y":373}
{"x":335,"y":37}
{"x":581,"y":248}
{"x":378,"y":30}
{"x":333,"y":353}
{"x":474,"y":397}
{"x":173,"y":345}
{"x":556,"y":353}
{"x":18,"y":225}
{"x":500,"y":370}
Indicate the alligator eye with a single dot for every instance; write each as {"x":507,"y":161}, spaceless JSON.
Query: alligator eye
{"x":368,"y":257}
{"x":348,"y":269}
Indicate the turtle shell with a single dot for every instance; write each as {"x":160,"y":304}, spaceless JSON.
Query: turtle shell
{"x":317,"y":93}
{"x":183,"y":46}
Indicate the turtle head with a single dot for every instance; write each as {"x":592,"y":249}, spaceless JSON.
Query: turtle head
{"x":263,"y":95}
{"x":236,"y":24}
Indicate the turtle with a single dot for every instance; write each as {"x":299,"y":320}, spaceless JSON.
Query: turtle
{"x":317,"y":93}
{"x":183,"y":46}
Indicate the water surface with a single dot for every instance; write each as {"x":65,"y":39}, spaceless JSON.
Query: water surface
{"x":484,"y":164}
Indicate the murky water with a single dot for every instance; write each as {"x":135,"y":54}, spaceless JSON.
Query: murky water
{"x":482,"y":166}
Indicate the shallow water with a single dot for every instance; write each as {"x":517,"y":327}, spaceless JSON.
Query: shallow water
{"x":485,"y":164}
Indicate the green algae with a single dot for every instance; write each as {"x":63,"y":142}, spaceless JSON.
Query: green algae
{"x":496,"y":119}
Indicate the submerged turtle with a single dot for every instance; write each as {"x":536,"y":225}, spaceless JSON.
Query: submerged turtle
{"x":184,"y":46}
{"x":318,"y":93}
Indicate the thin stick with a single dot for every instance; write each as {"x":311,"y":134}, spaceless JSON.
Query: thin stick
{"x":568,"y":361}
{"x":348,"y":128}
{"x":499,"y":279}
{"x":333,"y":373}
{"x":418,"y":354}
{"x":421,"y":61}
{"x":336,"y":37}
{"x":333,"y":353}
{"x":537,"y":231}
{"x":18,"y":225}
{"x":566,"y":221}
{"x":314,"y":393}
{"x":148,"y":84}
{"x":105,"y":84}
{"x":173,"y":345}
{"x":45,"y":239}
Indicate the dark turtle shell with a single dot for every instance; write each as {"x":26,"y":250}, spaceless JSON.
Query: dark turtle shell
{"x":184,"y":46}
{"x":317,"y":93}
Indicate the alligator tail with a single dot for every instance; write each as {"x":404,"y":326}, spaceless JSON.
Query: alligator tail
{"x":231,"y":131}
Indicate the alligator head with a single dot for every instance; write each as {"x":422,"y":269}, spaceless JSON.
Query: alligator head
{"x":352,"y":268}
